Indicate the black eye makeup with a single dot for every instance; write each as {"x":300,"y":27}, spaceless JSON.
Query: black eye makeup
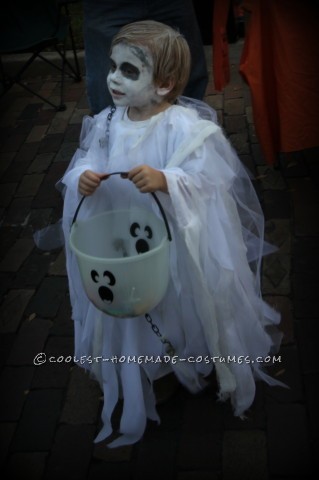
{"x":128,"y":70}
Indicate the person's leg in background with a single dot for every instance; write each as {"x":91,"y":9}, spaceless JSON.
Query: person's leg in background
{"x":101,"y":21}
{"x":181,"y":14}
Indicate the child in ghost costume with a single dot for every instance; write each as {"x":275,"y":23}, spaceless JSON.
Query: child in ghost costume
{"x":212,"y":310}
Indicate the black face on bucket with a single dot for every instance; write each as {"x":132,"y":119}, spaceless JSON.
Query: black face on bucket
{"x":141,"y":243}
{"x":105,"y":293}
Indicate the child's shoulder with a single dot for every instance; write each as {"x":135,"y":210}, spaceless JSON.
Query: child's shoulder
{"x":197,"y":109}
{"x":181,"y":118}
{"x":189,"y":120}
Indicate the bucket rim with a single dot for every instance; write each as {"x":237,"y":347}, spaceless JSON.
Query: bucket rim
{"x":134,"y":258}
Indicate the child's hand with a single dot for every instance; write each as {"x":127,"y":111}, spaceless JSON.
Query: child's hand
{"x":148,"y":179}
{"x":89,"y":181}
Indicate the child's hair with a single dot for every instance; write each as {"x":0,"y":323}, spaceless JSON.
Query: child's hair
{"x":169,"y":49}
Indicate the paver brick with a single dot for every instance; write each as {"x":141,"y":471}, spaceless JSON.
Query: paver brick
{"x":287,"y":371}
{"x":51,"y":143}
{"x":305,"y":255}
{"x":306,"y":308}
{"x":119,"y":454}
{"x":79,"y":113}
{"x":47,"y":300}
{"x":31,"y":111}
{"x":71,"y":452}
{"x":58,"y":266}
{"x":270,"y":178}
{"x":288,"y":441}
{"x":257,"y":153}
{"x":307,"y":330}
{"x":81,"y":387}
{"x":234,"y":106}
{"x":233,"y":90}
{"x":45,"y":117}
{"x":215,"y":101}
{"x":26,"y":465}
{"x":13,"y":142}
{"x":34,"y":269}
{"x":13,"y":308}
{"x":26,"y":153}
{"x":41,"y":163}
{"x":248,"y":162}
{"x":14,"y":385}
{"x":311,"y":382}
{"x":252,"y":133}
{"x":72,"y":134}
{"x":6,"y":280}
{"x":37,"y":133}
{"x":16,"y":255}
{"x":293,"y":165}
{"x":18,"y":212}
{"x":6,"y":193}
{"x":203,"y":414}
{"x":66,"y":152}
{"x":6,"y":343}
{"x":235,"y":124}
{"x":278,"y":234}
{"x":48,"y":195}
{"x":6,"y":433}
{"x":55,"y":372}
{"x":276,"y":204}
{"x":305,"y":202}
{"x":6,"y":159}
{"x":29,"y":342}
{"x":36,"y":429}
{"x":200,"y":475}
{"x":29,"y":185}
{"x":155,"y":456}
{"x":245,"y":455}
{"x":58,"y":125}
{"x":204,"y":449}
{"x":240,"y":143}
{"x":276,"y":274}
{"x":115,"y":471}
{"x":63,"y":323}
{"x":305,"y":285}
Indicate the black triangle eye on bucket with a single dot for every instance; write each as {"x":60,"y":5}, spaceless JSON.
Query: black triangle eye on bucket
{"x":124,"y":175}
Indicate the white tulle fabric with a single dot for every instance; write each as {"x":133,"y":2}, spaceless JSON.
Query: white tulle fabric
{"x":213,"y":306}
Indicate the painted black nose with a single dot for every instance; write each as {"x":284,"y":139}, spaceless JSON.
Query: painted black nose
{"x":106,"y":295}
{"x":142,"y":246}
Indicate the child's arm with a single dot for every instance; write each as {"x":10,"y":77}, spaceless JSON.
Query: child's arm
{"x":89,"y":181}
{"x":148,"y":179}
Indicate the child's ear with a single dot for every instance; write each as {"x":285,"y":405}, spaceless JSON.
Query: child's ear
{"x":163,"y":89}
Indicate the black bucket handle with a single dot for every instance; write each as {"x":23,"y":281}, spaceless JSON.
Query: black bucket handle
{"x":124,"y":175}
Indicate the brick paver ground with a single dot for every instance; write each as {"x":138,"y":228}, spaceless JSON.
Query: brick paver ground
{"x":49,"y":414}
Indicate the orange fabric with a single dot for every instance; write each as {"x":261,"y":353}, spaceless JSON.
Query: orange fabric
{"x":280,"y":62}
{"x":221,"y":71}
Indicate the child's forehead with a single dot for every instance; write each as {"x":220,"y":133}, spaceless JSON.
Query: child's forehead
{"x":137,"y":52}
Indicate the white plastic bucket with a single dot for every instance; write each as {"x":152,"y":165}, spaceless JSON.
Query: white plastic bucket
{"x":123,"y":258}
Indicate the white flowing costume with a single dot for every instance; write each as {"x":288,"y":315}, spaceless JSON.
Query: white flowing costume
{"x":213,"y":305}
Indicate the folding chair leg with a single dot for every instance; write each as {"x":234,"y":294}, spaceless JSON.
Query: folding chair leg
{"x":77,"y":70}
{"x":62,"y":78}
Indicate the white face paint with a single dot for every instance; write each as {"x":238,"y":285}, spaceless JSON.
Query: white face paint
{"x":130,"y":79}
